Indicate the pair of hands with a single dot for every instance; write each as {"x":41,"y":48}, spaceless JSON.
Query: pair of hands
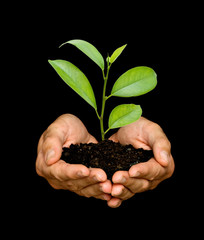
{"x":92,"y":182}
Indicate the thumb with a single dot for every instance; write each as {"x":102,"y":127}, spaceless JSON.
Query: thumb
{"x":162,"y":151}
{"x":50,"y":157}
{"x":52,"y":149}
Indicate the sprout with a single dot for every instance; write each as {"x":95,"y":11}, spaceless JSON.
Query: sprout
{"x":135,"y":82}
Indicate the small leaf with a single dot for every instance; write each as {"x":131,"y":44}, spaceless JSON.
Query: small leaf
{"x":73,"y":77}
{"x":123,"y":115}
{"x":117,"y":53}
{"x":135,"y":82}
{"x":89,"y":50}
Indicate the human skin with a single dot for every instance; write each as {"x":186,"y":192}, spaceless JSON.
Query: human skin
{"x":92,"y":182}
{"x":88,"y":182}
{"x":143,"y":176}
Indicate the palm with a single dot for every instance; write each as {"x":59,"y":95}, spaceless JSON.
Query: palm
{"x":135,"y":134}
{"x":74,"y":130}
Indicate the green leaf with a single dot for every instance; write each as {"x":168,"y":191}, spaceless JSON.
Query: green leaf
{"x":135,"y":82}
{"x":117,"y":53}
{"x":73,"y":77}
{"x":89,"y":50}
{"x":123,"y":115}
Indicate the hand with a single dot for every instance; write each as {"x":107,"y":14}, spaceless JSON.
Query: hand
{"x":143,"y":176}
{"x":68,"y":129}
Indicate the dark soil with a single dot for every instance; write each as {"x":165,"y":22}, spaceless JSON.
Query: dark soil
{"x":108,"y":155}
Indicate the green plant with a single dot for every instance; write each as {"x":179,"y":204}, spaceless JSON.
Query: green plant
{"x":135,"y":82}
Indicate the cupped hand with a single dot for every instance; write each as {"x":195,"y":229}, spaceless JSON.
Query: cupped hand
{"x":68,"y":129}
{"x":143,"y":176}
{"x":64,"y":131}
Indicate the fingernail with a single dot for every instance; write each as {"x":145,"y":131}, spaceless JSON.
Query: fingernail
{"x":165,"y":156}
{"x":81,"y":174}
{"x":106,"y":197}
{"x":99,"y":178}
{"x":95,"y":179}
{"x":50,"y":154}
{"x":135,"y":174}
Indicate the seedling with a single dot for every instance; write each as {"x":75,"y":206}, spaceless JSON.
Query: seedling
{"x":135,"y":82}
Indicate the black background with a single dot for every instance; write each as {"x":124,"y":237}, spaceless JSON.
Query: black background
{"x":158,"y":39}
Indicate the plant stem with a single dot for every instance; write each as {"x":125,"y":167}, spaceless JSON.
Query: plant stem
{"x":104,"y":98}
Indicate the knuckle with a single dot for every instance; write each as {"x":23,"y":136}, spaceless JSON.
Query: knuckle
{"x":56,"y":173}
{"x":72,"y":186}
{"x":38,"y":167}
{"x":45,"y":134}
{"x":155,"y":174}
{"x":152,"y":125}
{"x":163,"y":141}
{"x":145,"y":186}
{"x":83,"y":193}
{"x":154,"y":184}
{"x":48,"y":140}
{"x":170,"y":170}
{"x":38,"y":171}
{"x":163,"y":138}
{"x":87,"y":195}
{"x":55,"y":186}
{"x":49,"y":135}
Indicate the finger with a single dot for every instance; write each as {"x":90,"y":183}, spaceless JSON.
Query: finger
{"x":103,"y":196}
{"x":114,"y":202}
{"x":162,"y":152}
{"x":160,"y":144}
{"x":121,"y":192}
{"x":119,"y":188}
{"x":120,"y":177}
{"x":52,"y":145}
{"x":63,"y":171}
{"x":77,"y":184}
{"x":131,"y":185}
{"x":95,"y":190}
{"x":90,"y":191}
{"x":106,"y":186}
{"x":98,"y":174}
{"x":136,"y":185}
{"x":150,"y":170}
